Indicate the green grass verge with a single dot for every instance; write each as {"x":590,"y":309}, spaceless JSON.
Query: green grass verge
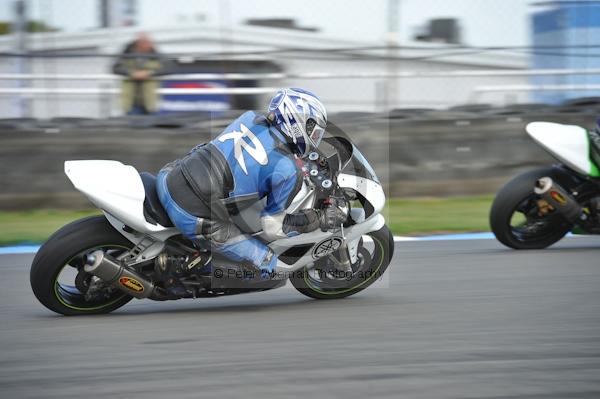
{"x":415,"y":216}
{"x":418,"y":216}
{"x":35,"y":226}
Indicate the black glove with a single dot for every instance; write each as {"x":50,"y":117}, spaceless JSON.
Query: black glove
{"x":331,"y":217}
{"x":303,"y":221}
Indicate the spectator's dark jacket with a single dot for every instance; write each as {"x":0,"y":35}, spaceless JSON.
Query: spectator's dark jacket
{"x":144,"y":93}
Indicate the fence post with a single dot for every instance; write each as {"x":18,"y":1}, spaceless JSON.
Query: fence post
{"x":21,"y":63}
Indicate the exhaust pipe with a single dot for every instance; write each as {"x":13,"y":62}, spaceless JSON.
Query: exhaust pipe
{"x":111,"y":271}
{"x":561,"y":200}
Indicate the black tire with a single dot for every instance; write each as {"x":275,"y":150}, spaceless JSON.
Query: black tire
{"x":514,"y":196}
{"x":379,"y":262}
{"x":64,"y":247}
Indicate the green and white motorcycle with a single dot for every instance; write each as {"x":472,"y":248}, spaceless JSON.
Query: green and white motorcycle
{"x":538,"y":208}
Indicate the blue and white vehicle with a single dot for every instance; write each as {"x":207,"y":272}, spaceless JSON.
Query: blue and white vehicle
{"x":538,"y":208}
{"x":98,"y":264}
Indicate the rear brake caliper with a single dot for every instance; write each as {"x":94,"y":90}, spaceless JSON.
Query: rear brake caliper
{"x":92,"y":287}
{"x":544,"y":207}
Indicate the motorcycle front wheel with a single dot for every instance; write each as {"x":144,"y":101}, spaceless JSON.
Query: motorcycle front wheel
{"x":324,"y":281}
{"x":57,"y":277}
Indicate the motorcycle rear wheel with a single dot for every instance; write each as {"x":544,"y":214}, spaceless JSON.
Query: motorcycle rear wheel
{"x":316,"y":284}
{"x":513,"y":218}
{"x":62,"y":254}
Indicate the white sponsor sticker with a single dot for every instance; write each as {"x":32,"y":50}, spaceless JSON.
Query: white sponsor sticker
{"x":255,"y":150}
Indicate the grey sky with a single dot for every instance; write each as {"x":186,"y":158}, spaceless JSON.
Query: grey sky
{"x":483,"y":22}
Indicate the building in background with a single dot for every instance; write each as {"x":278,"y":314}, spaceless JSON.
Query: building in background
{"x":567,"y":36}
{"x":440,"y":30}
{"x":351,"y":78}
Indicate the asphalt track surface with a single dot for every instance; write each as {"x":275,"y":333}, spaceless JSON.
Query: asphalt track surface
{"x":455,"y":319}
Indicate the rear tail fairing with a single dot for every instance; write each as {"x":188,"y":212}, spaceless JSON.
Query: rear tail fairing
{"x":117,"y":189}
{"x":569,"y":144}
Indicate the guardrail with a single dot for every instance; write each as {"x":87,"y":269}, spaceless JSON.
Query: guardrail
{"x":542,"y":87}
{"x":112,"y":77}
{"x":28,"y":91}
{"x":46,"y":86}
{"x":477,"y":91}
{"x":317,"y":75}
{"x":481,"y":90}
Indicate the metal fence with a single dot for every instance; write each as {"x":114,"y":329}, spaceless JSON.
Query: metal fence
{"x":95,"y":94}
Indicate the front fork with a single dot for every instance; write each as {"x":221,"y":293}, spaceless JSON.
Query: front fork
{"x":343,"y":262}
{"x":348,"y":251}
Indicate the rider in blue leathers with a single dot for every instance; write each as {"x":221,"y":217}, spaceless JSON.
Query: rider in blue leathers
{"x":254,"y":157}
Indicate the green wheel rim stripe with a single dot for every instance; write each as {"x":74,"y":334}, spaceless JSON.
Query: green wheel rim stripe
{"x":84,"y":309}
{"x":312,"y":287}
{"x":58,"y":296}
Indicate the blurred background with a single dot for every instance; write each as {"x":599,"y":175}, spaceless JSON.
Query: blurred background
{"x":435,"y":92}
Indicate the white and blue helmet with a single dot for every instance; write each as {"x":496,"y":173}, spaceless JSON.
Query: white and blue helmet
{"x":301,"y":116}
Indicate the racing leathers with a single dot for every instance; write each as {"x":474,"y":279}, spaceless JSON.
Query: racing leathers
{"x":249,"y":161}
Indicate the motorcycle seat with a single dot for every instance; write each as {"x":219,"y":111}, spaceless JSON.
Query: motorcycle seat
{"x":153,"y":209}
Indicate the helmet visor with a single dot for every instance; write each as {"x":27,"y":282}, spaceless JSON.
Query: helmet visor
{"x":316,"y":135}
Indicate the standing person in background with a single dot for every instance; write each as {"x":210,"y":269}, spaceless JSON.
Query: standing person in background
{"x":140,"y":64}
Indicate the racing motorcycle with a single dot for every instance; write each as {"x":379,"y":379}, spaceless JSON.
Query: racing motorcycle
{"x":98,"y":264}
{"x":538,"y":208}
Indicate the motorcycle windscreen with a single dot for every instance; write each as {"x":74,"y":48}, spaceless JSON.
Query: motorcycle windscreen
{"x":351,"y":160}
{"x":356,"y":173}
{"x":358,"y":165}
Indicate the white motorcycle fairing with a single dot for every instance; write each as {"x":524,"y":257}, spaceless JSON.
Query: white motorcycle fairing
{"x":118,"y":191}
{"x":569,"y":144}
{"x":369,"y":189}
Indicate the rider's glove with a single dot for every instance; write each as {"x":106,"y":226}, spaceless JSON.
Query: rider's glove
{"x":331,"y":217}
{"x":303,"y":221}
